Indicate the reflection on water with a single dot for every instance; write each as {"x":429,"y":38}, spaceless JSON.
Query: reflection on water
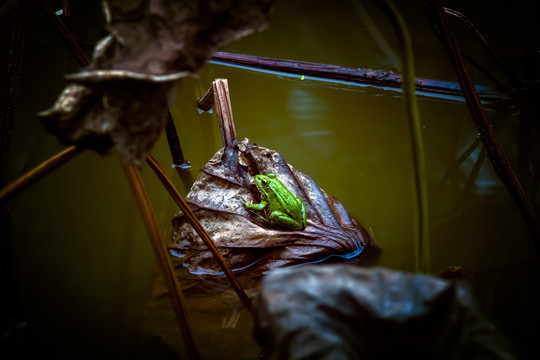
{"x":310,"y":114}
{"x":306,"y":106}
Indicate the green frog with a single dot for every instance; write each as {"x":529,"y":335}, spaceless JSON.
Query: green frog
{"x":279,"y":206}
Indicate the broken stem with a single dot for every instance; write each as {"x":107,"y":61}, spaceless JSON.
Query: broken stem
{"x":500,"y":162}
{"x":207,"y":100}
{"x":194,"y":222}
{"x":218,"y":94}
{"x":39,"y":172}
{"x":176,"y":296}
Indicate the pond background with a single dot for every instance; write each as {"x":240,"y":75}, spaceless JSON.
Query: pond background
{"x":84,"y":264}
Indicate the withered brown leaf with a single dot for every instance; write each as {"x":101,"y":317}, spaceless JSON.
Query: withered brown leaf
{"x":248,"y":242}
{"x":121,"y":99}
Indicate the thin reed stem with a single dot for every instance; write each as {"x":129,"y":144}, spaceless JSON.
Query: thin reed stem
{"x":495,"y":153}
{"x":176,"y":296}
{"x":422,"y":258}
{"x":38,"y":173}
{"x":199,"y":229}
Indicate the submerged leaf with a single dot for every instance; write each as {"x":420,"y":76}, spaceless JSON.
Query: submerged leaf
{"x":246,"y":240}
{"x":121,"y":99}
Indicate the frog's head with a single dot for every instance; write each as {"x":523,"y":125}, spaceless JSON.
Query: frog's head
{"x":264,"y":183}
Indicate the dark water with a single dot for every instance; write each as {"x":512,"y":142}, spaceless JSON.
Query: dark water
{"x":84,"y":263}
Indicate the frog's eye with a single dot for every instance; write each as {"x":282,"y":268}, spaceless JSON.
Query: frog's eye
{"x":264,"y":182}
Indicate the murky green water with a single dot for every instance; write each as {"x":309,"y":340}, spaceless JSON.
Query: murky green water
{"x":83,"y":257}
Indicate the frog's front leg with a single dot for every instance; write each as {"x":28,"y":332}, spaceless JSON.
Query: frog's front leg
{"x":284,"y":221}
{"x":256,"y":207}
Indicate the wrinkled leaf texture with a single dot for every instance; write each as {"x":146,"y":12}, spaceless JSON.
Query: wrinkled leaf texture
{"x":249,"y":243}
{"x":371,"y":313}
{"x":120,"y":100}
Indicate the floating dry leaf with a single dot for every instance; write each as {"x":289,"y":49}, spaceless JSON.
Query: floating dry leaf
{"x":248,"y":242}
{"x":121,"y":99}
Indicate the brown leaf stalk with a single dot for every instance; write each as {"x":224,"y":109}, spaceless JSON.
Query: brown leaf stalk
{"x":39,"y":172}
{"x":218,"y":93}
{"x":176,"y":296}
{"x":500,"y":162}
{"x":194,"y":222}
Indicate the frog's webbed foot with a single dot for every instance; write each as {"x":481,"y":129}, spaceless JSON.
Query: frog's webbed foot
{"x":257,"y":208}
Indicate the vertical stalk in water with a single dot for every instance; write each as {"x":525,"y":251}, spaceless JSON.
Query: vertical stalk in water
{"x":177,"y":155}
{"x":176,"y":296}
{"x":487,"y":134}
{"x":196,"y":225}
{"x":411,"y":107}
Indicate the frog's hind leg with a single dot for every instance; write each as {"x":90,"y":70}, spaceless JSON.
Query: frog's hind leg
{"x":284,"y":221}
{"x":304,"y":212}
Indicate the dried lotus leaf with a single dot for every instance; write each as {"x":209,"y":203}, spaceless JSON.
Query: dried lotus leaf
{"x":250,"y":244}
{"x":121,"y":98}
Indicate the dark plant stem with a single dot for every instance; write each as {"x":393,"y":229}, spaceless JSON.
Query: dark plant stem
{"x":194,"y":222}
{"x":381,"y":78}
{"x":459,"y":161}
{"x":11,"y":307}
{"x":66,"y":34}
{"x":177,"y":155}
{"x":176,"y":296}
{"x":39,"y":172}
{"x":11,"y":93}
{"x":422,"y":240}
{"x":485,"y":45}
{"x":494,"y":150}
{"x":500,"y":86}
